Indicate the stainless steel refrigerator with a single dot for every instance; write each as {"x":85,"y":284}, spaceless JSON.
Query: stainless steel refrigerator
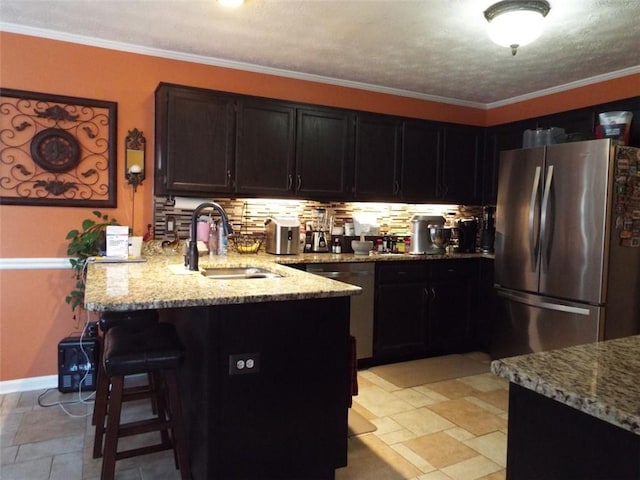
{"x":567,"y":262}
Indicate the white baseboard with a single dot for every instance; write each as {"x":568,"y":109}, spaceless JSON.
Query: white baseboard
{"x":26,"y":384}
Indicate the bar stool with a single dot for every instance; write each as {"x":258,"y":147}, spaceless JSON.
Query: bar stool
{"x":156,"y":350}
{"x":133,"y":321}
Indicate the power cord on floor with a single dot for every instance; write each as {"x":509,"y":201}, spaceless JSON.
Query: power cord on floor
{"x":80,"y":400}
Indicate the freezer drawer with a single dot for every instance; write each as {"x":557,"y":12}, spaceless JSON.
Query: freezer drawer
{"x":526,"y":323}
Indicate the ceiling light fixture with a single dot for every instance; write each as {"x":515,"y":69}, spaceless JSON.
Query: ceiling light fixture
{"x":514,"y":23}
{"x":231,"y":3}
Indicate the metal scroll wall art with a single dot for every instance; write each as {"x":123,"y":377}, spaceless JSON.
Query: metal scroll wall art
{"x":57,"y":150}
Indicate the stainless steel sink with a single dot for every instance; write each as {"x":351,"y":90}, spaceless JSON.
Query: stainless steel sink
{"x":239,"y":273}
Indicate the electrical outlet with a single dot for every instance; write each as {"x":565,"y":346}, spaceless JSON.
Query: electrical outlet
{"x":244,"y":363}
{"x":171,"y":224}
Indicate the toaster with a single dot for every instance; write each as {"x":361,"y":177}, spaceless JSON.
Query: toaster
{"x":283,"y":236}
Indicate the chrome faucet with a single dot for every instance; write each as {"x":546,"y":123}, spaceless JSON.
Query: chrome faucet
{"x":193,"y":241}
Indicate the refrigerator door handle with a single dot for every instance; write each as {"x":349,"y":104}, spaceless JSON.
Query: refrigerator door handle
{"x":543,"y":304}
{"x":544,"y":220}
{"x":533,"y":241}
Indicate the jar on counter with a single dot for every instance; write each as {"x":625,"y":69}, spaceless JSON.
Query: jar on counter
{"x":336,"y":246}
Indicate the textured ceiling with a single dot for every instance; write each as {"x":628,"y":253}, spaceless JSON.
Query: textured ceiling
{"x":424,"y":48}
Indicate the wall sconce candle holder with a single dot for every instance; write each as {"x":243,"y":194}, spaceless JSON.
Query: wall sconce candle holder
{"x":134,"y":147}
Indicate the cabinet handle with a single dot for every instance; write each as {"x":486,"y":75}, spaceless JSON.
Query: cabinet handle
{"x":433,"y":293}
{"x":299,"y":182}
{"x":396,"y":187}
{"x":290,"y":184}
{"x":228,"y":178}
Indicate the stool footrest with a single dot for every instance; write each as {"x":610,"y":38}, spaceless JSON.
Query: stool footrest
{"x":144,"y":426}
{"x":136,"y":393}
{"x":134,"y":452}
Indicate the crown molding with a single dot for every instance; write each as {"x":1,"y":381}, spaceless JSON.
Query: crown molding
{"x":248,"y":67}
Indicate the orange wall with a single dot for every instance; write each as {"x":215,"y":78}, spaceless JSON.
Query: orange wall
{"x":594,"y":94}
{"x":33,"y":315}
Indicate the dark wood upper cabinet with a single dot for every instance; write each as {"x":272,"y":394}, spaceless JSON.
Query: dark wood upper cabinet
{"x":324,"y":153}
{"x":265,"y":148}
{"x":421,"y":155}
{"x":461,"y":165}
{"x":377,"y":152}
{"x":194,"y":140}
{"x":209,"y":142}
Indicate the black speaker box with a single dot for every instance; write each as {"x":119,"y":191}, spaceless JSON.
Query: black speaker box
{"x":77,"y":364}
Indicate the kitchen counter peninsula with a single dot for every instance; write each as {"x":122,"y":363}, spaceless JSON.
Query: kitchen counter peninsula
{"x":574,"y":412}
{"x":284,"y":417}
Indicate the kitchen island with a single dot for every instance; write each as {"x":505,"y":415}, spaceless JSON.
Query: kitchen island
{"x":574,"y":412}
{"x":286,"y":415}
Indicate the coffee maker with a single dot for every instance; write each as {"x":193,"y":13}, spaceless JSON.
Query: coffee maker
{"x":488,"y":233}
{"x":467,"y":229}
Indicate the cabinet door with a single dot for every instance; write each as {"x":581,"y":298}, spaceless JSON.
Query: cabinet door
{"x":324,"y":153}
{"x":421,"y":153}
{"x":194,"y":141}
{"x":400,"y":311}
{"x":461,"y":165}
{"x":452,"y":287}
{"x":265,"y":148}
{"x":376,"y":157}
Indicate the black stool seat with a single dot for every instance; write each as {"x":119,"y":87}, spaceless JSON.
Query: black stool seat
{"x":128,"y":352}
{"x":157,"y":351}
{"x":132,"y":320}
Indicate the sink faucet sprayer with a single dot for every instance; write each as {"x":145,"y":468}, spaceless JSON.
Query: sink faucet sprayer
{"x":193,"y":241}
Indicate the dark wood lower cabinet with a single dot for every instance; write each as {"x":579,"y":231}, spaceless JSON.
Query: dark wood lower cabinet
{"x":288,"y":418}
{"x":453,"y":286}
{"x":400,"y":329}
{"x":552,"y":441}
{"x":425,"y":308}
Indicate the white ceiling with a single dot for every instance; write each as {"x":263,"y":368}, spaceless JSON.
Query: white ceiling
{"x":435,"y":49}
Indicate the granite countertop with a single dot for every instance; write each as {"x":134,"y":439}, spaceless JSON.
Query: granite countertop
{"x":372,"y":257}
{"x":601,"y":379}
{"x":164,"y":282}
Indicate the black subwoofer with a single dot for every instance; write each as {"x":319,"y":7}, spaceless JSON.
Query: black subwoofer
{"x":77,"y":364}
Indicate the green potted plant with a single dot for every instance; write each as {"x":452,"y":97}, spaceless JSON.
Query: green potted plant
{"x":85,"y":243}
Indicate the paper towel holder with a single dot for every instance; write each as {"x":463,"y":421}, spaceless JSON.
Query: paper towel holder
{"x":134,"y":147}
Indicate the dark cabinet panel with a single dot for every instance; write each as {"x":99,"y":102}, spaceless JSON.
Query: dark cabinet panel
{"x":400,"y":312}
{"x":485,"y":304}
{"x":377,"y":150}
{"x":453,"y":286}
{"x":461,"y":164}
{"x":421,"y":154}
{"x":425,"y":308}
{"x":194,"y":140}
{"x":265,"y":148}
{"x":324,"y":153}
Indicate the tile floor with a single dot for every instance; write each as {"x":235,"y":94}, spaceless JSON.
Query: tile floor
{"x":450,"y":430}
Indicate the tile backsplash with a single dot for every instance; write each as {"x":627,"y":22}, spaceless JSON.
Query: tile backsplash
{"x":248,"y":215}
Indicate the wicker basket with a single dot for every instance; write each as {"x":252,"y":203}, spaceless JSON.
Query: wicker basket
{"x":247,"y":242}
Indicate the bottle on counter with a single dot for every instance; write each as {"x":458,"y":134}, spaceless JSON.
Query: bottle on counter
{"x":222,"y":241}
{"x":213,"y":240}
{"x":337,"y":245}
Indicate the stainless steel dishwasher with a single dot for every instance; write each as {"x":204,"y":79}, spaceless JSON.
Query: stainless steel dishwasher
{"x":361,"y":274}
